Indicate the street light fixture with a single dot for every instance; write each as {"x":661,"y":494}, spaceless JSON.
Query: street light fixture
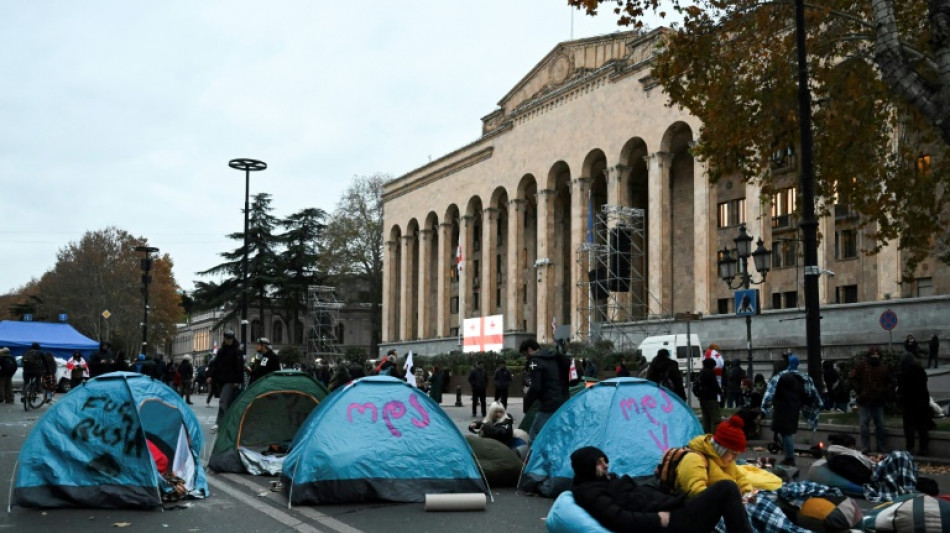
{"x":734,"y":266}
{"x":248,"y":166}
{"x":146,"y":280}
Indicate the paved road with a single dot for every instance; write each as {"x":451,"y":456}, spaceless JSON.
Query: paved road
{"x":242,"y":503}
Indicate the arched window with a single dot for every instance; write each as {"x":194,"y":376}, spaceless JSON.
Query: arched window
{"x":278,"y":335}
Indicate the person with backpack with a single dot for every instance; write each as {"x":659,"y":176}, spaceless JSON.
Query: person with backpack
{"x":623,"y":504}
{"x":548,"y":382}
{"x":33,"y":367}
{"x":712,"y":458}
{"x":665,"y":371}
{"x":791,"y":394}
{"x":78,"y":370}
{"x":7,"y":369}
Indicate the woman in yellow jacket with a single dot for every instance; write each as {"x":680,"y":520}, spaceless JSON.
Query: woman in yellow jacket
{"x":715,"y":460}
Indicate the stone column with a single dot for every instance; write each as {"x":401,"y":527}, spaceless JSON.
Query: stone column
{"x":489,"y":245}
{"x":545,"y":303}
{"x":618,"y":178}
{"x":390,"y":285}
{"x":424,"y":327}
{"x":442,"y":325}
{"x":658,"y":232}
{"x":466,"y":236}
{"x":580,"y":297}
{"x":704,"y":238}
{"x":514,"y":311}
{"x":407,"y":312}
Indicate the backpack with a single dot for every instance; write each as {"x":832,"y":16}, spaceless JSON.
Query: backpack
{"x":665,"y":472}
{"x":7,"y":366}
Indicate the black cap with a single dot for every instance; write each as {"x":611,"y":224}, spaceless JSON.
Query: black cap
{"x":584,"y":462}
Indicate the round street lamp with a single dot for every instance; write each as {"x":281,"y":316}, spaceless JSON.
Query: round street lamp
{"x":248,"y":166}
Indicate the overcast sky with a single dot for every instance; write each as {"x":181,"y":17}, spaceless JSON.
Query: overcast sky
{"x":126,"y":112}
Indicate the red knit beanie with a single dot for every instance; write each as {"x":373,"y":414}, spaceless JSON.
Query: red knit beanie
{"x":729,"y":434}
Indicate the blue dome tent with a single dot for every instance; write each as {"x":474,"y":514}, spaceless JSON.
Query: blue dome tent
{"x":378,"y":439}
{"x":631,"y":419}
{"x":92,"y":448}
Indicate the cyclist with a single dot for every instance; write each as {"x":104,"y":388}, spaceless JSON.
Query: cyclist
{"x":34,"y":366}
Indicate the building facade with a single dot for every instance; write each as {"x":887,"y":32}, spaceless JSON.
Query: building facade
{"x":582,"y":157}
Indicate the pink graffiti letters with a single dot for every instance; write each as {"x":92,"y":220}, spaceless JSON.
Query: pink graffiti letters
{"x":393,"y":410}
{"x":645,"y":406}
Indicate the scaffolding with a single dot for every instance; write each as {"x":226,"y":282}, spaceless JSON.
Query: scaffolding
{"x":324,"y":314}
{"x":614,"y":262}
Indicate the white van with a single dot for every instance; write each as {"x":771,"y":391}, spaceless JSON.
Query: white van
{"x":678,"y":348}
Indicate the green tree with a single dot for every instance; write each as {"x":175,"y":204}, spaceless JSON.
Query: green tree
{"x":880,"y":82}
{"x":262,"y":264}
{"x":103,"y":272}
{"x":298,"y":263}
{"x":355,"y":244}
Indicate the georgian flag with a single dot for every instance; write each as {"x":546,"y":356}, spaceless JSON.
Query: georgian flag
{"x":573,"y":375}
{"x":458,"y":257}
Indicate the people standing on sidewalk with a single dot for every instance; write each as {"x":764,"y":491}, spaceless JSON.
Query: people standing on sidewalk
{"x":228,"y":373}
{"x":707,"y":391}
{"x":186,"y":378}
{"x":478,"y":381}
{"x":791,"y":394}
{"x":915,"y":404}
{"x":713,"y":353}
{"x":502,"y":381}
{"x":910,"y":345}
{"x":436,"y":384}
{"x":101,"y":361}
{"x":78,"y":370}
{"x":734,"y":376}
{"x":829,"y":374}
{"x":933,"y":347}
{"x":7,"y":369}
{"x":548,"y":381}
{"x":870,"y":382}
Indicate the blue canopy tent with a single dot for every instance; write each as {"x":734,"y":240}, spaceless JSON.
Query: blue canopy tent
{"x":378,"y":439}
{"x":631,"y":419}
{"x":92,"y":448}
{"x":60,"y":339}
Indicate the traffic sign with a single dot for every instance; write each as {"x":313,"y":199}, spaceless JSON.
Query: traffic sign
{"x":106,"y":314}
{"x":888,"y":320}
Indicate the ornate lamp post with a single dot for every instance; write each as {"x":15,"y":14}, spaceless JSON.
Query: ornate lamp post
{"x":734,"y":266}
{"x":146,"y":280}
{"x":248,"y":166}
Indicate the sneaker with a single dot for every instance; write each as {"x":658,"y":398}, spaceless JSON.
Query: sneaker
{"x":214,"y":427}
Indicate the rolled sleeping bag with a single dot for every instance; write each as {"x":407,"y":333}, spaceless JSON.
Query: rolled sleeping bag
{"x":467,"y":501}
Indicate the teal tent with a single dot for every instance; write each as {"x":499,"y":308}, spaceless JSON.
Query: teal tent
{"x":378,"y":439}
{"x":631,"y":419}
{"x":92,"y":448}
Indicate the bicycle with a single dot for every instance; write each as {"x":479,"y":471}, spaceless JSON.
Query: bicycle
{"x":32,"y":394}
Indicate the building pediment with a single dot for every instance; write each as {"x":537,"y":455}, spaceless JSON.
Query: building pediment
{"x":565,"y":64}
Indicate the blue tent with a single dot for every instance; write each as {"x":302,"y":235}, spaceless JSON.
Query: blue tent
{"x":91,"y":449}
{"x":59,"y":338}
{"x":631,"y":419}
{"x":378,"y":439}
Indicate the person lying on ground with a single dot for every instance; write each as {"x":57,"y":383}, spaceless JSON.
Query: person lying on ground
{"x":621,"y":504}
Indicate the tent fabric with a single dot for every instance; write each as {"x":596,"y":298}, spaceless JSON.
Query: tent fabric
{"x":270,"y":411}
{"x":378,"y":439}
{"x":631,"y":419}
{"x":90,"y":449}
{"x":59,"y":338}
{"x":566,"y":516}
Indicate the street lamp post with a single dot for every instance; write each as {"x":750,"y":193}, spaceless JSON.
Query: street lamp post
{"x":248,"y":166}
{"x":146,"y":280}
{"x":734,"y":265}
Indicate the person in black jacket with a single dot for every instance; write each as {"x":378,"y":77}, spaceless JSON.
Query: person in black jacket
{"x":478,"y":380}
{"x":266,"y":361}
{"x":548,"y":371}
{"x":915,"y":403}
{"x":228,"y":373}
{"x":502,"y":381}
{"x":620,"y":504}
{"x":101,"y":361}
{"x":707,"y":391}
{"x":665,"y":371}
